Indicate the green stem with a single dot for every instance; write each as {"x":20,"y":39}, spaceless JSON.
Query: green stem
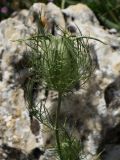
{"x":57,"y":126}
{"x":63,"y":4}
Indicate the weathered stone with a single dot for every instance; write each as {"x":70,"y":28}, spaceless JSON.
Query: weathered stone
{"x":21,"y":15}
{"x":35,"y":12}
{"x":15,"y":122}
{"x":14,"y":117}
{"x":93,"y":111}
{"x":108,"y":55}
{"x":55,"y":20}
{"x":82,"y":14}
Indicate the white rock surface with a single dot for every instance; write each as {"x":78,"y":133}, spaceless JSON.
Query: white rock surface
{"x":14,"y":117}
{"x":87,"y":106}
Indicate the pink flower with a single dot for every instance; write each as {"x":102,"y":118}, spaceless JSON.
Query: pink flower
{"x":4,"y":10}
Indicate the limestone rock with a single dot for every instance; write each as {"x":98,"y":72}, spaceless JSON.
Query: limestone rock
{"x":93,"y":111}
{"x":14,"y":117}
{"x":82,"y":13}
{"x":12,"y":53}
{"x":21,"y":15}
{"x":55,"y":20}
{"x":92,"y":99}
{"x":36,"y":12}
{"x":50,"y":16}
{"x":108,"y":55}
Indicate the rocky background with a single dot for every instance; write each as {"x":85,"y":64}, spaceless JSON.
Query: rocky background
{"x":95,"y":107}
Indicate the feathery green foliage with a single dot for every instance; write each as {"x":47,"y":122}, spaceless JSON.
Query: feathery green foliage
{"x":60,"y":62}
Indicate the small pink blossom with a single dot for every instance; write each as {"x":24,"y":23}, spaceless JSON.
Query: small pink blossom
{"x":4,"y":10}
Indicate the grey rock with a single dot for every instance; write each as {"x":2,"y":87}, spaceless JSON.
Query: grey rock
{"x":14,"y":117}
{"x":55,"y":20}
{"x":113,"y":31}
{"x":93,"y":110}
{"x":21,"y":15}
{"x":112,"y":152}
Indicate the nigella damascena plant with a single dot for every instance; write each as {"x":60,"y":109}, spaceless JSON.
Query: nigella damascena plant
{"x":62,"y":60}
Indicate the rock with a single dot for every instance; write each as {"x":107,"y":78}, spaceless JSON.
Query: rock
{"x":82,"y":13}
{"x":55,"y":20}
{"x":112,"y":31}
{"x":11,"y":153}
{"x":12,"y":54}
{"x":107,"y":55}
{"x":50,"y":15}
{"x":110,"y":134}
{"x":35,"y":126}
{"x":112,"y":91}
{"x":21,"y":15}
{"x":14,"y":117}
{"x":112,"y":152}
{"x":91,"y":112}
{"x":35,"y":12}
{"x":35,"y":154}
